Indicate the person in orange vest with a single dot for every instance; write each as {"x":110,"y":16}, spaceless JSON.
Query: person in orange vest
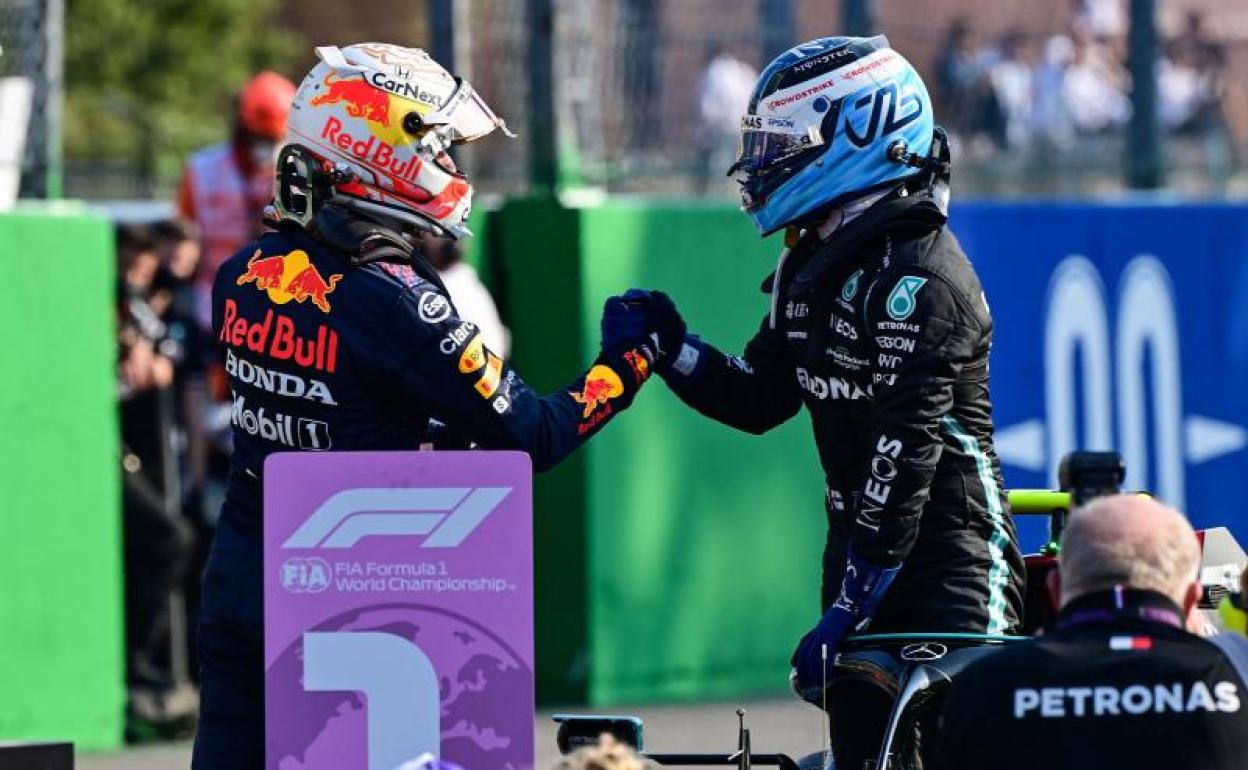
{"x":225,"y":187}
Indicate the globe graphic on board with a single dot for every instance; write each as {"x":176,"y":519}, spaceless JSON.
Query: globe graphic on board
{"x":482,"y":727}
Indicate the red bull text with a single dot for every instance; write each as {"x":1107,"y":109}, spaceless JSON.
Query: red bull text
{"x":277,"y":338}
{"x":371,"y":151}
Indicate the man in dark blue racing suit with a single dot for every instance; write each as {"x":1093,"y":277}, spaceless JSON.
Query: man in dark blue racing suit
{"x":338,"y":335}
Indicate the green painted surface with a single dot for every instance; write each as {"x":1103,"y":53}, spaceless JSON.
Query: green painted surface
{"x":61,"y":631}
{"x":535,"y":254}
{"x":705,"y":542}
{"x":476,"y":245}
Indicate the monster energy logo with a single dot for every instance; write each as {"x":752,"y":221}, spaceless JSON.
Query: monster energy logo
{"x":851,"y":286}
{"x":901,"y":300}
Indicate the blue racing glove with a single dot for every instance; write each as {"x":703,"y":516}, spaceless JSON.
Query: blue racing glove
{"x":861,"y":590}
{"x":643,"y":317}
{"x":624,"y":321}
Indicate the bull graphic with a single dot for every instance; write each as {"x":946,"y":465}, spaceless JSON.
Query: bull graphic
{"x":362,"y":99}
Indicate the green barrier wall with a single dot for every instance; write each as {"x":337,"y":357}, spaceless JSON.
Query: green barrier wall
{"x":61,"y":632}
{"x":534,"y":263}
{"x":703,"y":543}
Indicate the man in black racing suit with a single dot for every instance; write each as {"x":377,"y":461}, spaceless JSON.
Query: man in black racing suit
{"x":899,"y":405}
{"x":882,"y":332}
{"x":878,"y":325}
{"x":338,"y":335}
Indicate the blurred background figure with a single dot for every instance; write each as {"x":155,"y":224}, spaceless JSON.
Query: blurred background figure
{"x":723,"y":94}
{"x":609,"y":754}
{"x":202,"y":462}
{"x":1012,"y":79}
{"x":226,"y":186}
{"x":1095,"y":87}
{"x":158,"y":542}
{"x":1197,"y":102}
{"x":472,"y":299}
{"x":1050,"y":118}
{"x":964,"y":91}
{"x":1102,"y":18}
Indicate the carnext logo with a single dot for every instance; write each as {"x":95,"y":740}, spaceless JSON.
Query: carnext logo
{"x":446,"y":514}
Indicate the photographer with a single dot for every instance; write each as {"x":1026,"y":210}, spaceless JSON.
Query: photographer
{"x":1118,"y":681}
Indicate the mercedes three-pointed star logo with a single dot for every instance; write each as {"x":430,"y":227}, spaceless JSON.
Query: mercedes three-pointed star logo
{"x":924,"y":651}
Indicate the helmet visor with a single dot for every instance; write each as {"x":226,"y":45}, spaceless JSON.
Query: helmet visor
{"x":766,"y":142}
{"x":465,"y":117}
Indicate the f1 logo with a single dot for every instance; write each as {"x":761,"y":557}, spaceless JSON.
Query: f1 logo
{"x":447,"y":515}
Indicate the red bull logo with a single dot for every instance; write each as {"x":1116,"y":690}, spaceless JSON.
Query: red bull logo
{"x":289,"y":277}
{"x":601,"y":385}
{"x":266,"y":272}
{"x":361,"y":98}
{"x":639,"y":364}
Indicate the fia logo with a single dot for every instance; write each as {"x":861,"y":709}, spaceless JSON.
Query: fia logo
{"x":305,"y":576}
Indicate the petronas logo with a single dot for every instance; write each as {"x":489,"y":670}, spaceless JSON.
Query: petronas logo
{"x":851,"y":286}
{"x":901,"y":301}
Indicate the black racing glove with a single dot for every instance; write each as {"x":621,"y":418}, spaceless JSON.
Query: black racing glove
{"x":649,"y":318}
{"x":667,"y":326}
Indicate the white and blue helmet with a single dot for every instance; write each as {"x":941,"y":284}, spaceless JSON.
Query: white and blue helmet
{"x":824,"y":125}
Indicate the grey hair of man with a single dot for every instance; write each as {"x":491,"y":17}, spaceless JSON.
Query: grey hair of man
{"x":607,"y":754}
{"x":1131,"y":541}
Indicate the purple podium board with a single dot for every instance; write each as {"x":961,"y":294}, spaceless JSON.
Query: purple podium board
{"x":398,"y":620}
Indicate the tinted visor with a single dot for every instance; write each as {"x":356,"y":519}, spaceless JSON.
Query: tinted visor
{"x":465,"y":117}
{"x":760,"y":150}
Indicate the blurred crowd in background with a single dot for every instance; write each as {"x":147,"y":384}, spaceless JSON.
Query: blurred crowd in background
{"x":1037,"y":112}
{"x":1063,"y":100}
{"x":1015,"y":90}
{"x":647,"y":93}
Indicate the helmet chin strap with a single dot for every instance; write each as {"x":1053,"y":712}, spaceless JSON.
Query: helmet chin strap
{"x":847,"y":212}
{"x":395,"y":218}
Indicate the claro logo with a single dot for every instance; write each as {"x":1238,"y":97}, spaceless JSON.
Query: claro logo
{"x":448,"y":515}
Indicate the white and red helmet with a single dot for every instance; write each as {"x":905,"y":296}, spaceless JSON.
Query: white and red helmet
{"x":380,"y":119}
